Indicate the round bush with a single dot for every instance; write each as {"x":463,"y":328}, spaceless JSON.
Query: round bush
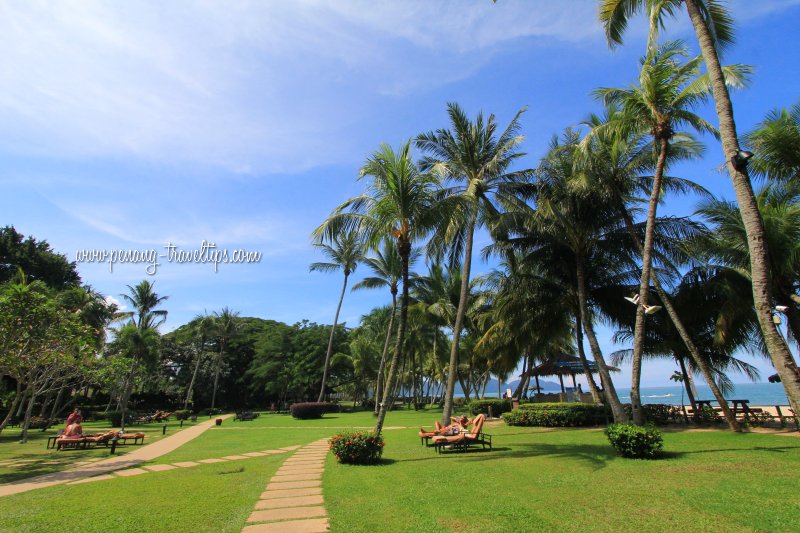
{"x":183,"y":414}
{"x":357,"y":448}
{"x":114,"y":417}
{"x":635,"y":442}
{"x":309,"y":410}
{"x":477,"y":407}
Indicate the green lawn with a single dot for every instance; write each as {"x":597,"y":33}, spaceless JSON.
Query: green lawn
{"x":534,"y":480}
{"x":37,"y":459}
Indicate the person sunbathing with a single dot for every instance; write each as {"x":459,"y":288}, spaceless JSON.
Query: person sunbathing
{"x":73,"y":430}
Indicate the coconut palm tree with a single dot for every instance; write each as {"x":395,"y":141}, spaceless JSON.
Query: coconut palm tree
{"x":477,"y":158}
{"x":577,"y":237}
{"x":713,"y":26}
{"x":144,"y":301}
{"x":725,"y":246}
{"x":388,"y":269}
{"x":345,"y":252}
{"x":614,"y":161}
{"x":203,"y":326}
{"x":664,"y":99}
{"x":225,"y":327}
{"x":776,"y":145}
{"x":399,"y":202}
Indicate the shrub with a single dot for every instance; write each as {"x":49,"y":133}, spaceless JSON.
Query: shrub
{"x":498,"y":406}
{"x":40,"y":422}
{"x":557,"y":415}
{"x":114,"y":417}
{"x":357,"y":448}
{"x":706,"y":415}
{"x":635,"y":442}
{"x":657,"y":413}
{"x":308,"y":410}
{"x":183,"y":414}
{"x":211,"y":411}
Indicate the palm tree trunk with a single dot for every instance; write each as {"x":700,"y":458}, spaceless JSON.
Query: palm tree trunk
{"x":608,"y":386}
{"x":386,"y":348}
{"x":330,"y":340}
{"x":191,"y":383}
{"x":216,"y":373}
{"x":687,"y":383}
{"x":462,"y":309}
{"x":582,"y":355}
{"x":644,"y":286}
{"x":522,"y":378}
{"x":779,"y":352}
{"x":681,"y":329}
{"x":404,"y":248}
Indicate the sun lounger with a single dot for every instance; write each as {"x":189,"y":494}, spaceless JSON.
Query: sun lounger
{"x":63,"y":443}
{"x":473,"y":436}
{"x":425,"y":436}
{"x":136,"y":437}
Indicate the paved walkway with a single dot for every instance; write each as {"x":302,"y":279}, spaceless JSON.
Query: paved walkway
{"x":292,"y":501}
{"x":131,"y":459}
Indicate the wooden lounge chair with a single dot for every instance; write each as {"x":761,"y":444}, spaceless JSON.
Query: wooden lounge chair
{"x":100,"y":438}
{"x":425,"y":436}
{"x":136,"y":437}
{"x":51,"y":440}
{"x":462,"y":441}
{"x":78,"y":441}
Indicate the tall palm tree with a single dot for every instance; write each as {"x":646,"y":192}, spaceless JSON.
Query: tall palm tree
{"x":399,"y":202}
{"x":478,"y":158}
{"x":203,"y":329}
{"x":614,"y":163}
{"x":387,"y":267}
{"x":144,"y":301}
{"x":345,"y":252}
{"x":663,"y":101}
{"x":577,"y":237}
{"x":225,"y":327}
{"x":725,"y":246}
{"x":776,"y":144}
{"x":713,"y":26}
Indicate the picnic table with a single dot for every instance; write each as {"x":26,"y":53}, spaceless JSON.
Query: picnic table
{"x":702,"y":403}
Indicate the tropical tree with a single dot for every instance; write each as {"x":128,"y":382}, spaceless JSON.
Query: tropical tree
{"x":401,"y":202}
{"x":345,"y":252}
{"x":578,"y":238}
{"x":203,"y":326}
{"x":477,"y":159}
{"x":664,"y":99}
{"x":713,"y":26}
{"x":140,"y":346}
{"x":225,"y":327}
{"x":387,"y":267}
{"x":776,"y":145}
{"x":144,"y":301}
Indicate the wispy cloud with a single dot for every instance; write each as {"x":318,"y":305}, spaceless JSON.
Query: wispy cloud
{"x":206,"y":83}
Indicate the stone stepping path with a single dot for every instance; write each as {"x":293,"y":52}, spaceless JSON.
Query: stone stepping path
{"x":128,"y":472}
{"x":292,"y":501}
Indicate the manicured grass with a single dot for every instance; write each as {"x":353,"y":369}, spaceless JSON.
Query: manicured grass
{"x":213,"y":498}
{"x":571,"y":480}
{"x":534,"y":480}
{"x":36,"y":459}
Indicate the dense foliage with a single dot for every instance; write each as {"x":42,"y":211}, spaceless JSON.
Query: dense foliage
{"x":307,"y":410}
{"x":498,"y":406}
{"x":359,"y":448}
{"x":557,"y":415}
{"x":635,"y":442}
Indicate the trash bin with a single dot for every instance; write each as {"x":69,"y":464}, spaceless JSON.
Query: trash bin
{"x":514,"y":403}
{"x":219,"y":421}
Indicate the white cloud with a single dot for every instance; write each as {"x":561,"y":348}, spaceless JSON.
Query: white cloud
{"x":114,"y":301}
{"x":206,"y":83}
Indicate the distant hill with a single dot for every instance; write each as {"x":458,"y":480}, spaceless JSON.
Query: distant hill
{"x":491,"y":388}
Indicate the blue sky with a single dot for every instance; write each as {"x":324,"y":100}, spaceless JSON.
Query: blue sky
{"x":134,"y":125}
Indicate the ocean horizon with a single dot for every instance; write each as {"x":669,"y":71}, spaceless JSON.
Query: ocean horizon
{"x":757,"y":393}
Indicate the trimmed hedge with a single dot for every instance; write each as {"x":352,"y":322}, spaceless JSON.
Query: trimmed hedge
{"x":477,"y":407}
{"x":557,"y":415}
{"x":635,"y":442}
{"x":309,"y":410}
{"x":657,"y":413}
{"x":182,"y":414}
{"x":357,"y":448}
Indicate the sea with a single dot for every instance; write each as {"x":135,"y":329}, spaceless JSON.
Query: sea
{"x":757,"y":393}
